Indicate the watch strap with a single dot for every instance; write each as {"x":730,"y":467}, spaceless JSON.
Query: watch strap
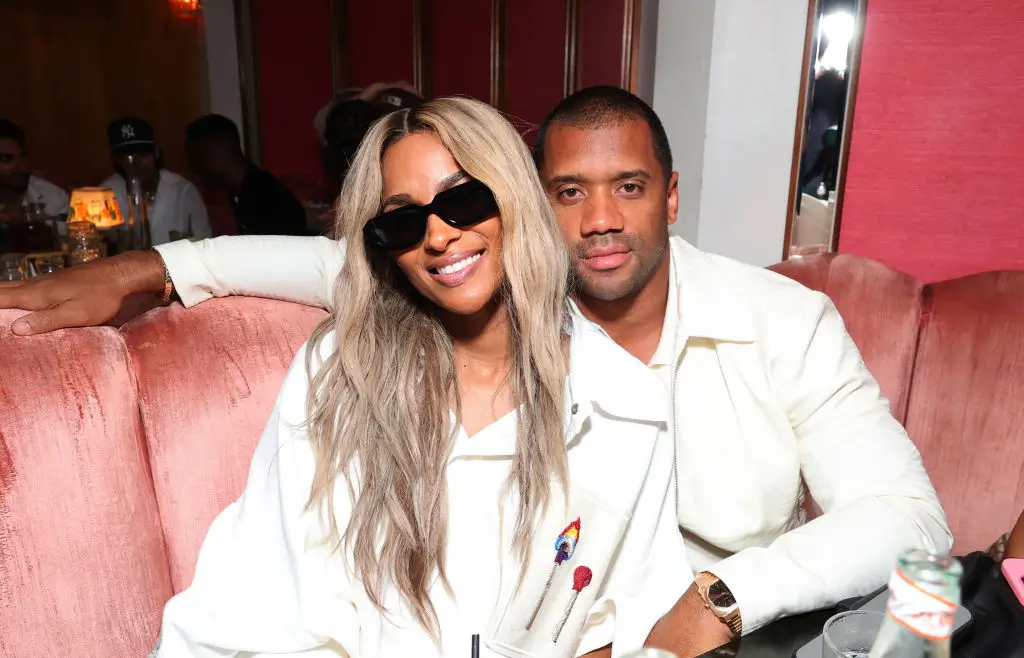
{"x":728,"y":614}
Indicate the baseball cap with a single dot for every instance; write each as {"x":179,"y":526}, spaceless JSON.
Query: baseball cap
{"x":395,"y":97}
{"x":130,"y":134}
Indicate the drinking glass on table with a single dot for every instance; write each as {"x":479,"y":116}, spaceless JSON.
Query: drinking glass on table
{"x":48,"y":265}
{"x":851,"y":634}
{"x":12,"y":267}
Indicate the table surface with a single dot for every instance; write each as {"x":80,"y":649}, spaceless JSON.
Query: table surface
{"x":780,"y":639}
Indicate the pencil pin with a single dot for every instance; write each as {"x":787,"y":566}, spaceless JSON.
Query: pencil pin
{"x":565,"y":546}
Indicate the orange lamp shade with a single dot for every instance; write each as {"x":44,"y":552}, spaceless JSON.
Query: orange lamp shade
{"x":97,"y":205}
{"x":185,"y":8}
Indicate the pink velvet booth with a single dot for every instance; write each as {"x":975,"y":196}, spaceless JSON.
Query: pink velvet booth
{"x":950,"y":358}
{"x":118,"y":447}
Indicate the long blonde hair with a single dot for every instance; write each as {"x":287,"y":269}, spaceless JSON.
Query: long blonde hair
{"x":379,"y":403}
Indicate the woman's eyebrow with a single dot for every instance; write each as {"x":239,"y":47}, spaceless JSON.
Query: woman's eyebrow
{"x":403,"y":199}
{"x":450,"y":181}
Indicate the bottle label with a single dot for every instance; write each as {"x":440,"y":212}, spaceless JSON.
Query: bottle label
{"x":924,"y":613}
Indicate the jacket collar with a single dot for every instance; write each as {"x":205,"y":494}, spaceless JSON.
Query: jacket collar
{"x":603,"y":379}
{"x":607,"y":378}
{"x":711,"y":301}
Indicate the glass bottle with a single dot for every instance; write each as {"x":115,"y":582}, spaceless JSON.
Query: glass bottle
{"x":83,"y":243}
{"x":139,"y":236}
{"x":924,"y":592}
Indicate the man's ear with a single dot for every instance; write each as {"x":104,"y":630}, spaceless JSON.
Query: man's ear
{"x":672,"y":198}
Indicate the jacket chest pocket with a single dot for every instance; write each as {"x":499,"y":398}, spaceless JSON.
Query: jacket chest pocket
{"x":571,"y":556}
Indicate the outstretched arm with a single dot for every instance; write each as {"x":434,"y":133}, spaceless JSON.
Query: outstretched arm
{"x":297,"y":269}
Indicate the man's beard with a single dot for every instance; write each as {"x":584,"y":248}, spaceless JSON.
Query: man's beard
{"x":648,"y":260}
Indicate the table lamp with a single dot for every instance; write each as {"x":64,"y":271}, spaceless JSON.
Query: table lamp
{"x":96,"y":205}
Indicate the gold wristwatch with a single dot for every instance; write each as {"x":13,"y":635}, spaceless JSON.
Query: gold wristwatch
{"x":719,"y":601}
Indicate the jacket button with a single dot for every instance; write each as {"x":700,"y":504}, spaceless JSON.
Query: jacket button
{"x":575,"y":407}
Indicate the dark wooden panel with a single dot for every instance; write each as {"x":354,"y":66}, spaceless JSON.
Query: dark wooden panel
{"x":535,"y":48}
{"x":603,"y":38}
{"x":380,"y":41}
{"x":292,"y":52}
{"x":70,"y":66}
{"x":461,"y":48}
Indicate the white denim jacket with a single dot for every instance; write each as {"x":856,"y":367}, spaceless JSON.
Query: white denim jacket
{"x":268,"y":583}
{"x":768,"y":393}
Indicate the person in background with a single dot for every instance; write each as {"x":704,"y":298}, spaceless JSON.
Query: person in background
{"x":177,"y":209}
{"x":261,"y":204}
{"x":345,"y":126}
{"x":347,"y":120}
{"x":18,"y":186}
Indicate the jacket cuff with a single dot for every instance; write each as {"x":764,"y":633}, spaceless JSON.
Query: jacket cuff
{"x":187,"y":271}
{"x":757,"y":597}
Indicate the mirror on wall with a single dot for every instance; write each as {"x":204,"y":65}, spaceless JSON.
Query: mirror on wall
{"x":835,"y":30}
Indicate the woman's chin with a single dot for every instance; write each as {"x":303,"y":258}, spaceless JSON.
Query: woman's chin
{"x":467,"y":303}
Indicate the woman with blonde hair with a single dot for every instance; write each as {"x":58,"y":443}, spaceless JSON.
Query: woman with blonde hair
{"x":456,"y":451}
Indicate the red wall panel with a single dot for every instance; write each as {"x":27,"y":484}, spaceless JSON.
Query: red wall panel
{"x":461,"y":48}
{"x":600,"y":48}
{"x":535,"y":60}
{"x":380,"y":41}
{"x":935,"y":183}
{"x":292,"y":49}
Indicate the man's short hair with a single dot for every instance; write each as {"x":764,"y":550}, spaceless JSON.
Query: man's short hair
{"x":215,"y":127}
{"x":11,"y":130}
{"x":603,"y":106}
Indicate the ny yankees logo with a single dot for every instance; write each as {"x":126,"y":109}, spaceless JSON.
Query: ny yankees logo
{"x":127,"y":132}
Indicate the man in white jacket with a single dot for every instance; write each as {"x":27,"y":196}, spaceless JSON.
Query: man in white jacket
{"x":768,"y":391}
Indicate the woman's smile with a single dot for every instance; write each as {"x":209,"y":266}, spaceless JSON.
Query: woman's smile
{"x":456,"y":269}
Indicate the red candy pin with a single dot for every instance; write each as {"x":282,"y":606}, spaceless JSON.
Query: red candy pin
{"x":580,"y":579}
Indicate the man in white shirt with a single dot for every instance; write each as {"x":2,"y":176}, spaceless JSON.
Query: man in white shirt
{"x":177,"y":210}
{"x":768,"y":390}
{"x":18,"y":187}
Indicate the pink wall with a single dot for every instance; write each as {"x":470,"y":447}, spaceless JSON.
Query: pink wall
{"x":935,"y":184}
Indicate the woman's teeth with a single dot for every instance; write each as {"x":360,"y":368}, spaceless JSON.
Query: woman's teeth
{"x":459,"y":265}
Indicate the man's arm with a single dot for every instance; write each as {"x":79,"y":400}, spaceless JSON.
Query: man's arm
{"x":296,"y":269}
{"x":860,"y":467}
{"x":290,"y":268}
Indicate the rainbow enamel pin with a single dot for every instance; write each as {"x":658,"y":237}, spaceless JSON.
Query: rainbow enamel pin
{"x":565,"y":546}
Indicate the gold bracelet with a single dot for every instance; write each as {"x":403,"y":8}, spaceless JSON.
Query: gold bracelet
{"x":165,"y":299}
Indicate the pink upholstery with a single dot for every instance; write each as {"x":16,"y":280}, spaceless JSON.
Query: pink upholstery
{"x":950,"y":357}
{"x":118,"y":447}
{"x":116,"y":451}
{"x":967,"y":402}
{"x":881,"y":309}
{"x":207,"y":379}
{"x":82,"y":564}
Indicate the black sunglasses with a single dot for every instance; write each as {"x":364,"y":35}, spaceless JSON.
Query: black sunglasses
{"x":459,"y":207}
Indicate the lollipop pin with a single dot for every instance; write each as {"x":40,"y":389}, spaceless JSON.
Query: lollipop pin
{"x":565,"y":546}
{"x":580,"y":579}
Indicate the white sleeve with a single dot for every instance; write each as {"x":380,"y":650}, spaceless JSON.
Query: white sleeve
{"x":650,"y":572}
{"x":294,"y":269}
{"x":260,"y":587}
{"x":861,"y":469}
{"x":192,"y":205}
{"x":61,"y":200}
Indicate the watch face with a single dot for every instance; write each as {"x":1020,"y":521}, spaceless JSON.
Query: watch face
{"x":720,"y":596}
